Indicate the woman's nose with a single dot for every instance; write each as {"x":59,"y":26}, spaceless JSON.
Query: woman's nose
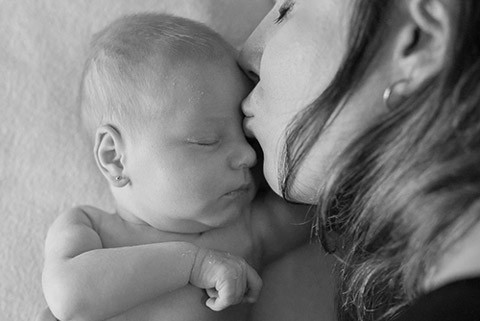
{"x":250,"y":57}
{"x":244,"y":156}
{"x":248,"y":67}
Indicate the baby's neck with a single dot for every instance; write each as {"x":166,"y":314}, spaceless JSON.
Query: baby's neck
{"x":161,"y":226}
{"x":178,"y":227}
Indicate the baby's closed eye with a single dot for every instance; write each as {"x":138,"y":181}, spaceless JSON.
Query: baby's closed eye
{"x":204,"y":141}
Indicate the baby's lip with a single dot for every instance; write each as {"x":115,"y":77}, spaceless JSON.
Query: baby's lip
{"x":245,"y":188}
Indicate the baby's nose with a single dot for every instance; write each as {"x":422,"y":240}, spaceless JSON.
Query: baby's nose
{"x":245,"y":157}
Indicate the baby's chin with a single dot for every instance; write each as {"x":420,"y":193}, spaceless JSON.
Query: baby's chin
{"x":233,"y":211}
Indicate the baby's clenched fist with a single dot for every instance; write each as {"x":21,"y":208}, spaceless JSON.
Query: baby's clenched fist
{"x":228,"y":279}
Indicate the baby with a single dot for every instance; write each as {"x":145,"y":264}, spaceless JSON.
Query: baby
{"x":161,"y":98}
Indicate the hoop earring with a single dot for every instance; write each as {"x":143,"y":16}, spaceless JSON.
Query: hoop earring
{"x":387,"y":94}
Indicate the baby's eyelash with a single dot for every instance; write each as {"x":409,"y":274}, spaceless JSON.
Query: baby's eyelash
{"x":203,"y":142}
{"x":206,"y":143}
{"x":284,"y":9}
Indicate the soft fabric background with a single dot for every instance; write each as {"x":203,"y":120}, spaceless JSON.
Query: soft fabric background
{"x":45,"y":162}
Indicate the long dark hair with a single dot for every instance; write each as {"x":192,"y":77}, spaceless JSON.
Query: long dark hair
{"x":409,"y":187}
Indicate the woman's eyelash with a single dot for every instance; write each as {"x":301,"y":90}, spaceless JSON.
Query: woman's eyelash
{"x":284,"y":9}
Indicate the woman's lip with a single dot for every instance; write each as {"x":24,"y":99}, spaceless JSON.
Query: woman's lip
{"x":246,"y":127}
{"x":247,"y":114}
{"x":245,"y":105}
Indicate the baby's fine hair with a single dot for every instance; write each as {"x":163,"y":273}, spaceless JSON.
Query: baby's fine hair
{"x":117,"y":76}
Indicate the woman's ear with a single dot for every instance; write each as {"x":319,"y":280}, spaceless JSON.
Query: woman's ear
{"x":421,"y":46}
{"x":109,"y":152}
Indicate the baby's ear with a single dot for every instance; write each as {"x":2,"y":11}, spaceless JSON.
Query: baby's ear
{"x":109,"y":153}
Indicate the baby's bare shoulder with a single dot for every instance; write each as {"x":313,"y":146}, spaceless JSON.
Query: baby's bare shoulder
{"x":111,"y":229}
{"x":87,"y":215}
{"x":72,"y":233}
{"x":114,"y":231}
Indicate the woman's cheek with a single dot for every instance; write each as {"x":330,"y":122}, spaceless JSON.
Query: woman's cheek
{"x":273,"y":147}
{"x":271,"y":169}
{"x":287,"y":94}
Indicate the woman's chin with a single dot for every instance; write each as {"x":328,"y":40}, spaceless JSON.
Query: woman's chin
{"x":301,"y":193}
{"x":274,"y":184}
{"x":298,"y":193}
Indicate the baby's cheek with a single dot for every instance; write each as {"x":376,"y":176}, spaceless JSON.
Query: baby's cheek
{"x":207,"y":183}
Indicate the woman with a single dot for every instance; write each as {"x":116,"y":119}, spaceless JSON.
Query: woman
{"x":371,"y":109}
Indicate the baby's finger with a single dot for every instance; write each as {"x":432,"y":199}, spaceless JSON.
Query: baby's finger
{"x":225,"y":296}
{"x":211,"y":303}
{"x":212,"y":293}
{"x":254,"y":285}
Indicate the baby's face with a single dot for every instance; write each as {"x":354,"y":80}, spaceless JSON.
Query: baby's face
{"x":190,"y":169}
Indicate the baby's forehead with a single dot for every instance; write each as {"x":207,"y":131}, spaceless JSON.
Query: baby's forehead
{"x":173,"y":81}
{"x":165,"y":72}
{"x":198,"y":86}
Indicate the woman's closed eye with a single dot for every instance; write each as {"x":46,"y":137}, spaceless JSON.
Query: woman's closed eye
{"x":284,"y":9}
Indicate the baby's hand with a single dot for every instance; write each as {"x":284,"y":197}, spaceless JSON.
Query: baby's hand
{"x":227,"y":279}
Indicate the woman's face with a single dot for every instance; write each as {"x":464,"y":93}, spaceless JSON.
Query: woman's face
{"x":294,"y":54}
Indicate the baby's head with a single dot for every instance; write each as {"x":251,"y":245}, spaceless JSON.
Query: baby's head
{"x":161,"y":96}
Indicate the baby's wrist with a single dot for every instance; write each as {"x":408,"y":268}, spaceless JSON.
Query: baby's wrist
{"x":199,"y":257}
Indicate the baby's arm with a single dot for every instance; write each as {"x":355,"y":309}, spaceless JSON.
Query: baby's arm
{"x":279,"y":226}
{"x":84,"y":280}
